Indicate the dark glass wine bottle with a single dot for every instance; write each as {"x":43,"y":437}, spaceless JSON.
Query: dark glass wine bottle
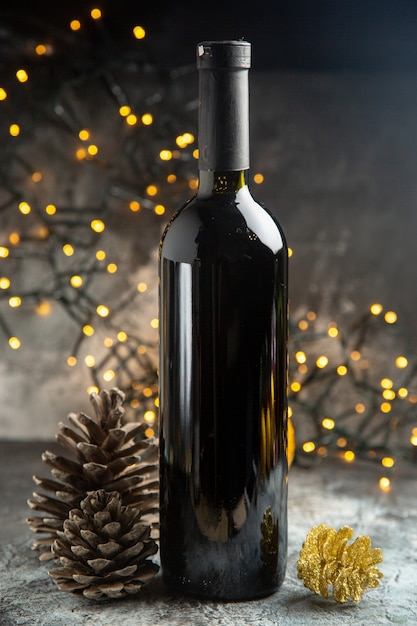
{"x":223,"y":361}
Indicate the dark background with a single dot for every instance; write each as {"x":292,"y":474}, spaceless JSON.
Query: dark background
{"x":365,"y":35}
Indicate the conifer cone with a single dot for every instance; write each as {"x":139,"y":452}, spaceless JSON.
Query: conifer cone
{"x":106,"y":455}
{"x":104,"y":549}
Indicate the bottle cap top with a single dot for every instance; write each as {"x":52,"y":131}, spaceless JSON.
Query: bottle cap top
{"x":223,"y":54}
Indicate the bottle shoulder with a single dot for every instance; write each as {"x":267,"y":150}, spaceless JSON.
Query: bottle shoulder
{"x":221,"y":224}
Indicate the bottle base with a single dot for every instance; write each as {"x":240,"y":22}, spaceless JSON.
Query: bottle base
{"x":207,"y":590}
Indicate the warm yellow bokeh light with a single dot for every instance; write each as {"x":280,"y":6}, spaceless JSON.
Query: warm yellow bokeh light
{"x":71,"y":361}
{"x":333,"y":331}
{"x":139,"y":32}
{"x":14,"y":343}
{"x":134,"y":206}
{"x":14,"y":130}
{"x":376,"y":309}
{"x":15,"y":302}
{"x":300,"y":357}
{"x":388,"y":461}
{"x":76,"y":281}
{"x":309,"y":446}
{"x":155,"y":322}
{"x":147,"y":119}
{"x":4,"y":252}
{"x":75,"y":25}
{"x":68,"y":249}
{"x":384,"y":483}
{"x":349,"y":456}
{"x":131,"y":119}
{"x":149,"y":416}
{"x":295,"y":387}
{"x":102,"y":310}
{"x":84,"y":134}
{"x":159,"y":209}
{"x":401,"y":362}
{"x":22,"y":76}
{"x":40,"y":49}
{"x":342,"y":370}
{"x":36,"y":177}
{"x":43,"y":308}
{"x":4,"y":282}
{"x":98,"y":226}
{"x":81,"y":153}
{"x":92,"y":149}
{"x":88,"y":330}
{"x":258,"y":179}
{"x":142,"y":287}
{"x":100,"y":255}
{"x":108,"y":375}
{"x":124,"y":110}
{"x":3,"y":93}
{"x":386,"y":383}
{"x":151,"y":190}
{"x":112,"y":268}
{"x":322,"y":361}
{"x":390,"y":317}
{"x":385,"y":407}
{"x":95,"y":13}
{"x":50,"y":209}
{"x":328,"y":423}
{"x":25,"y":208}
{"x":90,"y":360}
{"x":122,"y":336}
{"x":165,"y":155}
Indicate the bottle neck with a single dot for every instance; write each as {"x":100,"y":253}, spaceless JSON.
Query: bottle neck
{"x":221,"y":183}
{"x":223,"y":120}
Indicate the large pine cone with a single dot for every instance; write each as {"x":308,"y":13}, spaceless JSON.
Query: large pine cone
{"x":104,"y":549}
{"x":107,"y":455}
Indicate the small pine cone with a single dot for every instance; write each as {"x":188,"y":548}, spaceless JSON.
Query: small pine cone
{"x":327,"y":559}
{"x":104,"y":549}
{"x":107,"y":454}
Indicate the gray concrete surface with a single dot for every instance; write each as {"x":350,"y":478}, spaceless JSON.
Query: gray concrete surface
{"x":333,"y":493}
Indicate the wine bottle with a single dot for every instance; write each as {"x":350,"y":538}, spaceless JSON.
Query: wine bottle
{"x":223,"y":361}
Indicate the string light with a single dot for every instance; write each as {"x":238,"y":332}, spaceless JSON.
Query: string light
{"x":98,"y":226}
{"x":336,"y":415}
{"x":75,"y":25}
{"x":385,"y":483}
{"x":14,"y":343}
{"x":139,"y":32}
{"x":147,"y":119}
{"x":134,"y":206}
{"x":22,"y":76}
{"x":102,"y":310}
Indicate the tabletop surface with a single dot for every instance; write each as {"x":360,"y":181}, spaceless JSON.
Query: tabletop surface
{"x":334,"y":493}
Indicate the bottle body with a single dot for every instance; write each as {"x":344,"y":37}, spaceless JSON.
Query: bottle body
{"x":223,"y":368}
